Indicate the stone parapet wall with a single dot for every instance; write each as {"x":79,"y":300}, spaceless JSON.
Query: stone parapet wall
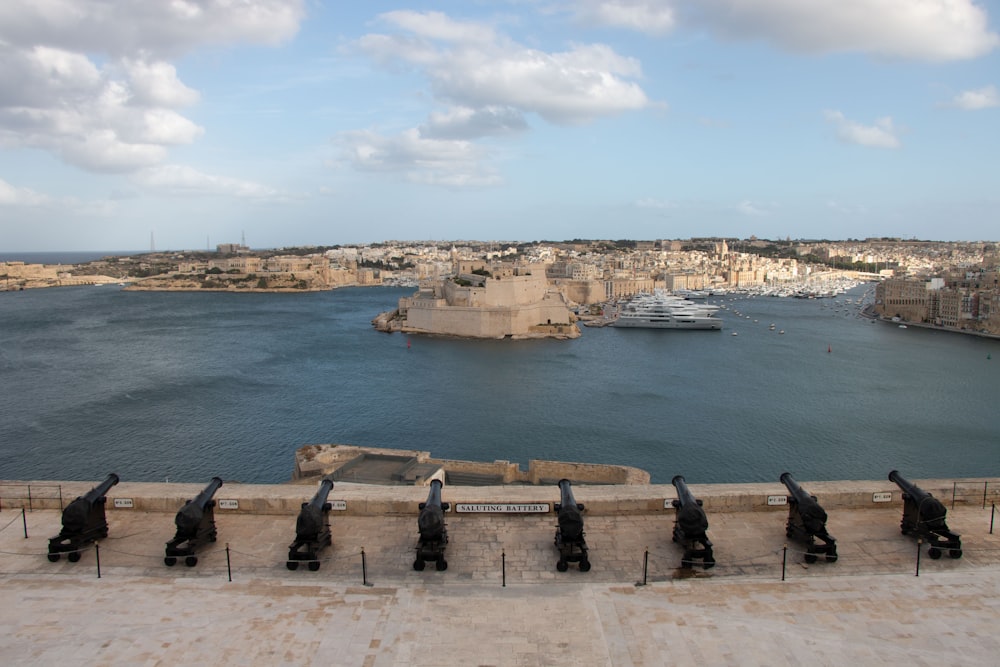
{"x":607,"y":500}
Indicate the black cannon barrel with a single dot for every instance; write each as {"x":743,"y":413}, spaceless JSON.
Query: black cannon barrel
{"x":691,"y":517}
{"x":206,"y":494}
{"x":311,"y":520}
{"x":566,"y":493}
{"x":793,"y":487}
{"x":907,"y":486}
{"x":570,"y":519}
{"x":430,"y":522}
{"x":811,"y":516}
{"x":100,"y":490}
{"x":76,"y":516}
{"x":928,"y":512}
{"x":683,"y":492}
{"x":189,"y":517}
{"x":319,"y":499}
{"x":434,"y":495}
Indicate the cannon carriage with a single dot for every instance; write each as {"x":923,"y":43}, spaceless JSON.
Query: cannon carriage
{"x":690,"y":527}
{"x":569,"y":531}
{"x":312,"y":530}
{"x":433,"y":530}
{"x":83,"y":522}
{"x":807,"y":522}
{"x":195,"y":523}
{"x":924,"y":517}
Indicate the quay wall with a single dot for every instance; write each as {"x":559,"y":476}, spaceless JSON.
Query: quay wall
{"x":604,"y":499}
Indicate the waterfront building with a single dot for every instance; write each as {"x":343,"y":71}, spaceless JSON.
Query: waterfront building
{"x":502,"y":301}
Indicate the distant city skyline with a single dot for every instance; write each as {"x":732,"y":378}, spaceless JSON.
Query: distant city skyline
{"x":295,"y":122}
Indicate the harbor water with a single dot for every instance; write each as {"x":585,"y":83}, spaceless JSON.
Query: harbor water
{"x":185,"y":386}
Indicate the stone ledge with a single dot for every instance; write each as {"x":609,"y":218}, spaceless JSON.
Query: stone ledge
{"x":373,"y":500}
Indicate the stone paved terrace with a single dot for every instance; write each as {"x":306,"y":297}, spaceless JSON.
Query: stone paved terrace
{"x":867,"y":608}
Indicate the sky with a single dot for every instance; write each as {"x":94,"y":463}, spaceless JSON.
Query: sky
{"x":182,"y":124}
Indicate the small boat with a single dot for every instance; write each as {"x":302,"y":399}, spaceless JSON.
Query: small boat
{"x":734,"y":334}
{"x":902,"y":326}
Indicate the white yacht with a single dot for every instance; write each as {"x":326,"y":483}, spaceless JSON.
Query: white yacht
{"x":665,"y":311}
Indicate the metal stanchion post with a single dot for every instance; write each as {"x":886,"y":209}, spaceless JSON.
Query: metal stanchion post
{"x":97,"y":554}
{"x":364,"y":568}
{"x":229,"y":565}
{"x":784,"y":559}
{"x":503,"y":567}
{"x":993,"y":513}
{"x":920,"y":542}
{"x":24,"y":520}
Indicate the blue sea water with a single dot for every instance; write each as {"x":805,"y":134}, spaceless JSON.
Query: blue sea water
{"x":62,"y":257}
{"x":185,"y":386}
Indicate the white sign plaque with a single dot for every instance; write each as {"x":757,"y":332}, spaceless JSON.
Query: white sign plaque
{"x":229,"y":504}
{"x":502,"y":508}
{"x":123,"y":502}
{"x":777,"y":500}
{"x":882,"y":497}
{"x":338,"y":505}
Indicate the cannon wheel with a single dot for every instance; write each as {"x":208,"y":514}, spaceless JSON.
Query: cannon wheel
{"x":170,"y":561}
{"x":709,"y":563}
{"x":562,"y":565}
{"x":831,"y":558}
{"x":73,"y":556}
{"x":810,"y":558}
{"x":955,"y":553}
{"x":441,"y":565}
{"x":292,"y":565}
{"x":53,"y":558}
{"x":934,"y":553}
{"x":418,"y":565}
{"x":313,"y":565}
{"x":584,"y":566}
{"x":191,"y":561}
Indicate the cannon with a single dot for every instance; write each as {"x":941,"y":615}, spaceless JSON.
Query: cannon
{"x":690,"y":526}
{"x":83,"y":521}
{"x":807,"y":521}
{"x":924,"y":516}
{"x":569,"y":532}
{"x":195,"y":526}
{"x":433,"y":531}
{"x":312,"y":530}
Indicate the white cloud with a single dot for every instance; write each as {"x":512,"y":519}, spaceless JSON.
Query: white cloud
{"x":981,"y":98}
{"x":578,"y":85}
{"x":931,"y":30}
{"x":752,"y":209}
{"x":450,"y":162}
{"x":18,"y":196}
{"x":654,"y":18}
{"x":466,"y":123}
{"x":176,"y":179}
{"x":90,"y":80}
{"x":488,"y":83}
{"x":159,"y":29}
{"x":880,"y":135}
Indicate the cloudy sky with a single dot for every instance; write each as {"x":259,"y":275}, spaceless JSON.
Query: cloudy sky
{"x":298,"y":122}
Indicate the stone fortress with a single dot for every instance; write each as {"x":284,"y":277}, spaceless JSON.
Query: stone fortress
{"x":485,"y":301}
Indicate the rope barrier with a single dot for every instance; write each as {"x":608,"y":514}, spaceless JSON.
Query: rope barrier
{"x":10,"y":522}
